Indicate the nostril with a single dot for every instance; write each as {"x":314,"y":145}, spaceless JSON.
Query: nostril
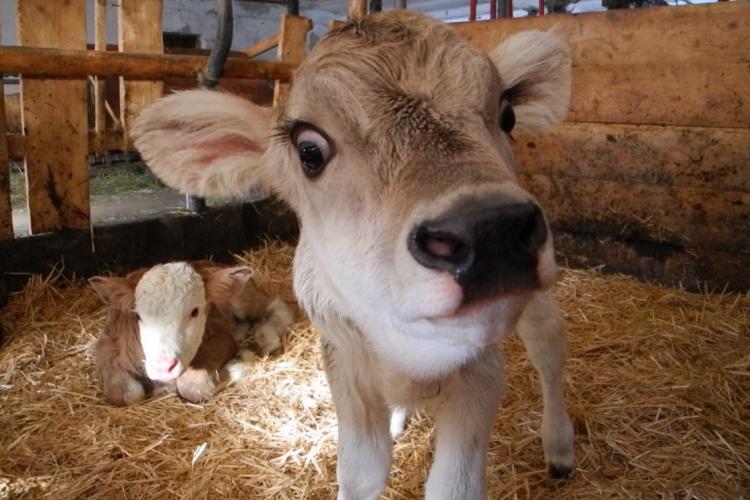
{"x":172,"y":365}
{"x":438,"y":249}
{"x":442,"y":246}
{"x":532,"y":233}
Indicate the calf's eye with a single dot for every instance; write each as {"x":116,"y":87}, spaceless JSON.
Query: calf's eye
{"x":507,"y":116}
{"x":194,"y":313}
{"x":313,"y":149}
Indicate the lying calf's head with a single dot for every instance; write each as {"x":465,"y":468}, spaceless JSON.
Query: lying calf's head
{"x":394,"y":149}
{"x":170,"y":302}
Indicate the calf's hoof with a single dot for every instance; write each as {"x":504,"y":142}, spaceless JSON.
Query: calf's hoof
{"x":559,"y":471}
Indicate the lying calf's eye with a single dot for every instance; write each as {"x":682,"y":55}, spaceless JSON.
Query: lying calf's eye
{"x":313,"y":149}
{"x":194,"y":313}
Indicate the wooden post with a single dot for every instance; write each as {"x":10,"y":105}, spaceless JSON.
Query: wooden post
{"x":53,"y":113}
{"x":100,"y":91}
{"x":6,"y":210}
{"x":140,"y":30}
{"x":261,"y":46}
{"x":356,"y":9}
{"x":292,"y":41}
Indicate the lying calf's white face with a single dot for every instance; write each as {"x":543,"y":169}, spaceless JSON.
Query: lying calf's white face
{"x":170,"y":301}
{"x":394,"y":150}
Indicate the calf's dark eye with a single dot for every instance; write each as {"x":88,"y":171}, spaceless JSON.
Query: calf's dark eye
{"x":313,"y":148}
{"x":507,"y":117}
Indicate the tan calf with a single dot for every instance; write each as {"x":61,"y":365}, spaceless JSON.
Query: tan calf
{"x":419,"y":251}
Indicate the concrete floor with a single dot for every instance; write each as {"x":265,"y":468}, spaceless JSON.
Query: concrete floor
{"x":110,"y":208}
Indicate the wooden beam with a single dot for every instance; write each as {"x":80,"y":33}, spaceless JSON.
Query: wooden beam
{"x":666,"y":157}
{"x":140,"y":30}
{"x":100,"y":44}
{"x":662,"y":66}
{"x":356,"y":9}
{"x":55,"y":121}
{"x":67,"y":64}
{"x":291,"y":49}
{"x":262,"y":46}
{"x":6,"y":209}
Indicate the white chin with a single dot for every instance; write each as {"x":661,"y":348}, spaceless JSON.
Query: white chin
{"x":477,"y":325}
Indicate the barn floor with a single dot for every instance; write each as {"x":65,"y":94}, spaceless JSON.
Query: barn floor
{"x":658,"y":386}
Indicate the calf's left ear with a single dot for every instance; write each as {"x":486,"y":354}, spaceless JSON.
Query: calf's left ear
{"x":119,"y":292}
{"x":535,"y":69}
{"x":204,"y":142}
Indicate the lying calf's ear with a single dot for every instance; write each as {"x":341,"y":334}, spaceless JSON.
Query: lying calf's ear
{"x":223,"y":284}
{"x":535,"y":68}
{"x":119,"y":292}
{"x":204,"y":142}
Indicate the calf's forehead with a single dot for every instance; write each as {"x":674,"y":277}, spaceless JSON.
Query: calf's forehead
{"x":396,"y":73}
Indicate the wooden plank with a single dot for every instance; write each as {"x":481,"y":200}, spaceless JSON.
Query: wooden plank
{"x":654,"y":36}
{"x":682,"y":157}
{"x":262,"y":46}
{"x":110,"y":140}
{"x":140,"y":30}
{"x":356,"y":9}
{"x":57,"y":63}
{"x":704,"y":94}
{"x":291,"y":49}
{"x":667,"y":264}
{"x":54,"y":120}
{"x":6,"y":210}
{"x":100,"y":91}
{"x":679,"y":66}
{"x":689,"y":217}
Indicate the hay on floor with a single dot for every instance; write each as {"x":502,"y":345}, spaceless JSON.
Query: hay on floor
{"x":658,"y":385}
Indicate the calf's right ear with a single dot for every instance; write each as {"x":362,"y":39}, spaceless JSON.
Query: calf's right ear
{"x":120,"y":292}
{"x":204,"y":142}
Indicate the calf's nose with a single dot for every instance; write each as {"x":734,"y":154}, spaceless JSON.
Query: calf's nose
{"x":489,"y":248}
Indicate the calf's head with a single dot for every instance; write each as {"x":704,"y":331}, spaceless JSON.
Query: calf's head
{"x":170,"y":303}
{"x":394,"y":149}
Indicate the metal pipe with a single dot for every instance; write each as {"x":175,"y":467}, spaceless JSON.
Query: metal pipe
{"x":541,"y":7}
{"x":509,"y":9}
{"x":209,"y":77}
{"x":376,"y":5}
{"x":493,"y":9}
{"x":502,"y":9}
{"x":472,"y":10}
{"x":292,"y":7}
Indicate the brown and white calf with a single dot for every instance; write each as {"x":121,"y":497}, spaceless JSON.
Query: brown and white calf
{"x":419,"y":251}
{"x":172,"y":327}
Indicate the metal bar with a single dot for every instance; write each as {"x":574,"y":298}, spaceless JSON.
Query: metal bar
{"x":472,"y":10}
{"x":376,"y":5}
{"x":493,"y":9}
{"x":541,"y":7}
{"x":509,"y":11}
{"x":292,"y":7}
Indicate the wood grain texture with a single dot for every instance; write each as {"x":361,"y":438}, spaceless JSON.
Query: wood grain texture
{"x":683,"y":157}
{"x":291,"y":49}
{"x":100,"y":91}
{"x":54,"y":120}
{"x":689,"y":217}
{"x":140,"y":30}
{"x":6,"y":210}
{"x":356,"y":9}
{"x":663,"y":66}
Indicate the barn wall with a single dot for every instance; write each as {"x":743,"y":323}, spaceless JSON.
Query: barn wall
{"x":650,"y":175}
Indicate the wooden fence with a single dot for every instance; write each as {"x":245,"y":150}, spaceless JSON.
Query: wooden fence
{"x":56,"y":67}
{"x":650,"y":175}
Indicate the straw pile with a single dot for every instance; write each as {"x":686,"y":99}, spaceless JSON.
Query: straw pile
{"x":658,"y":387}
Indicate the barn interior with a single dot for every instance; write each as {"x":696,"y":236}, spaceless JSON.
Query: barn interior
{"x":646,"y":184}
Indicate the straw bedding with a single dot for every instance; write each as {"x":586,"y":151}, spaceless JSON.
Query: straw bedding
{"x":658,"y":385}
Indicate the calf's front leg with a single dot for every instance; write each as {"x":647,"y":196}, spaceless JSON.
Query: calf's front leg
{"x":463,"y":419}
{"x":364,"y":441}
{"x":542,"y":329}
